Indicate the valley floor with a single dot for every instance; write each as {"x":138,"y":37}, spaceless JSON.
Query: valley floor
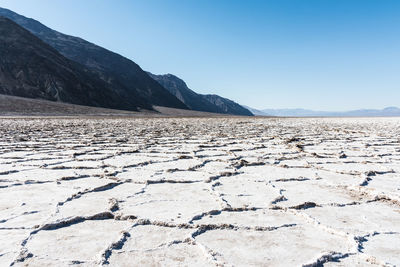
{"x":199,"y":191}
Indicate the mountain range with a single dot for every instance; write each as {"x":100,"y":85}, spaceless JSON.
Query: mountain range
{"x":386,"y":112}
{"x":125,"y":78}
{"x":59,"y":67}
{"x":41,"y":63}
{"x":199,"y":102}
{"x":31,"y":68}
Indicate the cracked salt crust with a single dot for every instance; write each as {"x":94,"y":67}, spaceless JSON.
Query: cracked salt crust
{"x":61,"y":244}
{"x":359,"y":219}
{"x":384,"y":246}
{"x":288,"y":246}
{"x":252,"y":218}
{"x":199,"y":192}
{"x":173,"y":202}
{"x":241,"y":192}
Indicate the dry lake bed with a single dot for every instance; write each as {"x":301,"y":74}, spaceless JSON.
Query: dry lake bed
{"x":199,"y":192}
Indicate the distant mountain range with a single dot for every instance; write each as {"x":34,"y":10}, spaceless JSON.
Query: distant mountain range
{"x":87,"y":74}
{"x":386,"y":112}
{"x":199,"y":102}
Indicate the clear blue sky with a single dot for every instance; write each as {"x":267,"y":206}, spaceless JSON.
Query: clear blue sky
{"x":316,"y":54}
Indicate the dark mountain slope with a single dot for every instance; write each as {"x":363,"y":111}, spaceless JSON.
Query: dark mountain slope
{"x":208,"y":103}
{"x":21,"y":106}
{"x":31,"y":68}
{"x":227,"y":105}
{"x":179,"y":89}
{"x":123,"y":75}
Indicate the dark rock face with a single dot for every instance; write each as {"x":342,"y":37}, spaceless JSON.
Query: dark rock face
{"x":179,"y":89}
{"x":124,"y":76}
{"x":208,"y":103}
{"x":227,"y":105}
{"x":31,"y":68}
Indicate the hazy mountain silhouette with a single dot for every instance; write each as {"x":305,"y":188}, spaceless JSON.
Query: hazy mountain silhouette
{"x":386,"y":112}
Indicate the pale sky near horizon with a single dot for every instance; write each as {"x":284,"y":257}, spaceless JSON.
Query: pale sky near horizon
{"x":313,"y":54}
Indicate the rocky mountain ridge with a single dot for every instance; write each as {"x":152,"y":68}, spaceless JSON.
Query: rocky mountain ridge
{"x":31,"y":68}
{"x":199,"y":102}
{"x":124,"y":76}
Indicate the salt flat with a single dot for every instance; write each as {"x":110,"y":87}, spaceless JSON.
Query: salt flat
{"x":199,"y":191}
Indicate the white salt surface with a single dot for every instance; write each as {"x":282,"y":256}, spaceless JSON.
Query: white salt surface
{"x":199,"y":192}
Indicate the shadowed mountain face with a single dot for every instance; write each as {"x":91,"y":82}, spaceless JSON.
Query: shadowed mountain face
{"x":178,"y":88}
{"x":227,"y":105}
{"x":124,"y":76}
{"x":208,"y":103}
{"x":31,"y":68}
